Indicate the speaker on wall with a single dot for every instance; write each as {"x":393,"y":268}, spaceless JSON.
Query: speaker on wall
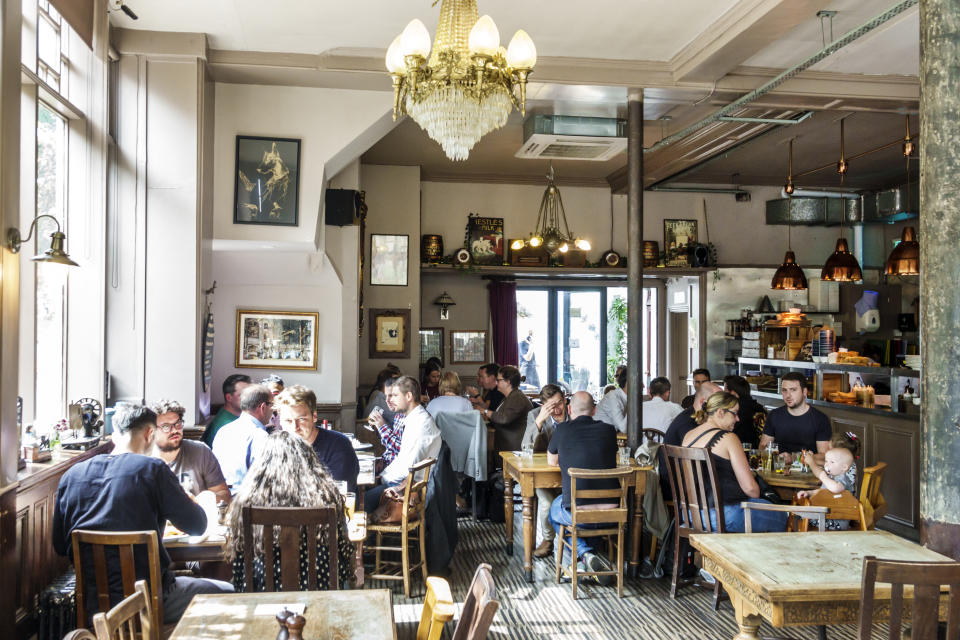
{"x":341,"y":207}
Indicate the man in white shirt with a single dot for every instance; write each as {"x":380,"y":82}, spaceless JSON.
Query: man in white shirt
{"x":658,"y":411}
{"x":542,"y":421}
{"x":237,"y":443}
{"x":421,"y":439}
{"x":612,"y":407}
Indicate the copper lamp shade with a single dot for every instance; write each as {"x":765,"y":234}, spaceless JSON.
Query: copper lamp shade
{"x":904,"y":260}
{"x":841,"y":266}
{"x":789,"y":275}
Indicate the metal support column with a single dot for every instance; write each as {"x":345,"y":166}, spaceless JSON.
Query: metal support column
{"x":634,"y":266}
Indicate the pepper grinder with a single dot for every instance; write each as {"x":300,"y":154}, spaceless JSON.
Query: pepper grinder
{"x":295,"y":624}
{"x":283,"y":634}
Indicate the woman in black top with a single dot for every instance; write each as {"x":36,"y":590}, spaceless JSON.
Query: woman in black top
{"x":735,"y":480}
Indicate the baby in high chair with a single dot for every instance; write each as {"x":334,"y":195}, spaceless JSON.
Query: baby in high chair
{"x":834,"y":476}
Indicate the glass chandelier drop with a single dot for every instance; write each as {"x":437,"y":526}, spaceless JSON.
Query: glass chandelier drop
{"x":549,"y":233}
{"x":468,"y":84}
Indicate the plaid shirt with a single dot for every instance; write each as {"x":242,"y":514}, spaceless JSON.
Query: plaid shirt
{"x":390,"y":436}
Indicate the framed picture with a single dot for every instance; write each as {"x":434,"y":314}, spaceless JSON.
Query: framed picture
{"x":677,"y":235}
{"x":266,"y":181}
{"x":468,"y":347}
{"x":276,"y":339}
{"x":485,"y":239}
{"x":431,"y":344}
{"x":388,"y":259}
{"x":389,"y":333}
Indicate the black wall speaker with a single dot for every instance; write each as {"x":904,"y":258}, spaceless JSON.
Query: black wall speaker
{"x":341,"y":207}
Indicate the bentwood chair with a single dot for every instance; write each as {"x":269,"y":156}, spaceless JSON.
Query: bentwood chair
{"x":615,"y":517}
{"x":414,"y":507}
{"x":99,"y":545}
{"x":653,"y":435}
{"x":128,"y":620}
{"x":294,"y":524}
{"x":874,"y":506}
{"x":923,"y":609}
{"x":693,"y":483}
{"x":478,"y":612}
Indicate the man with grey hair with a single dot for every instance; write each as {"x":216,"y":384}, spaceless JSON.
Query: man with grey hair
{"x":238,"y":443}
{"x":127,"y":490}
{"x":583,"y":443}
{"x":192,"y":462}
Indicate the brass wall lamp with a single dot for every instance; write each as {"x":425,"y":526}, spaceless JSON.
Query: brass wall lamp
{"x":55,"y":254}
{"x":444,"y":301}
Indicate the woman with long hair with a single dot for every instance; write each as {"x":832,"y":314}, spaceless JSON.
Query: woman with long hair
{"x":735,"y":480}
{"x":287,"y":473}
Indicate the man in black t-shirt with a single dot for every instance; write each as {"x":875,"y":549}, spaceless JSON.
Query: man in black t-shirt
{"x":582,"y":443}
{"x":796,"y":426}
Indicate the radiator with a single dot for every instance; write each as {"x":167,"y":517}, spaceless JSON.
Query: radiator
{"x":57,"y":608}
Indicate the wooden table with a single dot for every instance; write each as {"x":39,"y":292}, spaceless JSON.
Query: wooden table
{"x":796,"y":579}
{"x":534,"y":473}
{"x":366,"y":614}
{"x":787,"y":484}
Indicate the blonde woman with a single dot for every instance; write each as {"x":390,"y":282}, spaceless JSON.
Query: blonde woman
{"x":451,"y":398}
{"x":716,"y":420}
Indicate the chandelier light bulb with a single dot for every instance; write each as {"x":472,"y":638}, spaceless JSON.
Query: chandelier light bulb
{"x":564,"y":248}
{"x":517,"y":244}
{"x":582,"y":244}
{"x":416,"y":39}
{"x":536,"y":241}
{"x":521,"y":53}
{"x":484,"y":37}
{"x":394,"y":58}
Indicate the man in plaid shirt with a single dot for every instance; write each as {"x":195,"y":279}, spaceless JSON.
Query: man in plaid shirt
{"x":390,"y":434}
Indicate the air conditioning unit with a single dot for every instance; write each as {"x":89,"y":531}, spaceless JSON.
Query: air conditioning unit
{"x":572,"y":138}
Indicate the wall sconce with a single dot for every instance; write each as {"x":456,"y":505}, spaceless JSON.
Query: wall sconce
{"x":55,"y":254}
{"x":444,"y":301}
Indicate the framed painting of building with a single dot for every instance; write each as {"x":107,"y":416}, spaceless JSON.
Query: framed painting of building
{"x":276,"y":339}
{"x":431,"y":344}
{"x":468,"y":347}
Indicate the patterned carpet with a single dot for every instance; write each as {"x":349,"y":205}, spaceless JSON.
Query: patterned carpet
{"x":543,"y":609}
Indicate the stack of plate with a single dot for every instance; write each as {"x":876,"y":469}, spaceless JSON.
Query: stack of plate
{"x":912,"y":362}
{"x":823,"y":345}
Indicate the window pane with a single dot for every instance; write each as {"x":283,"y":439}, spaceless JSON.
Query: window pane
{"x":51,"y":279}
{"x":616,"y":330}
{"x":533,"y":323}
{"x":578,"y":339}
{"x":48,"y":43}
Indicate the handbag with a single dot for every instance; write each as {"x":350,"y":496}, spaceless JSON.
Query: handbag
{"x":767,"y":492}
{"x":390,"y":509}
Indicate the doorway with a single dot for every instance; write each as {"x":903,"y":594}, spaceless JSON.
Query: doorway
{"x":679,"y":352}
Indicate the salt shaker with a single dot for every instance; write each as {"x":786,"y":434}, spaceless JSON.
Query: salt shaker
{"x":283,"y":634}
{"x":295,"y":624}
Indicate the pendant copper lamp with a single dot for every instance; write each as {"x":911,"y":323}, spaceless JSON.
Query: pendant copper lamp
{"x":841,"y":266}
{"x":789,"y":275}
{"x":904,"y":260}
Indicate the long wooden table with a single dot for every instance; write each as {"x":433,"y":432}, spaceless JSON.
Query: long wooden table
{"x":797,"y":579}
{"x":366,"y":614}
{"x":534,"y":473}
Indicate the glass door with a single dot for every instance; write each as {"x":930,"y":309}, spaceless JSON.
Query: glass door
{"x":533,"y":330}
{"x":578,"y":340}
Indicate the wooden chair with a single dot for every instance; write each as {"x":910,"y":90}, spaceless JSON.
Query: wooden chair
{"x":693,"y":483}
{"x":926,"y":580}
{"x":654,"y":435}
{"x":616,"y":516}
{"x":294,"y":523}
{"x":479,"y":608}
{"x":128,"y":620}
{"x":874,"y":506}
{"x":79,"y":634}
{"x":437,"y":609}
{"x":414,"y":507}
{"x":842,"y":506}
{"x":811,"y":513}
{"x":124,"y":542}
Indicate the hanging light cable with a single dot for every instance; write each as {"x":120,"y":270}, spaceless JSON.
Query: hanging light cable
{"x":904,"y":260}
{"x":842,"y":165}
{"x":789,"y":275}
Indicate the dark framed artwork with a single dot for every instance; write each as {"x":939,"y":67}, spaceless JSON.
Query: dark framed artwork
{"x":431,"y":344}
{"x":389,"y":258}
{"x":678,"y":235}
{"x":276,"y":339}
{"x":468,"y":347}
{"x":266,"y":181}
{"x":389,"y":333}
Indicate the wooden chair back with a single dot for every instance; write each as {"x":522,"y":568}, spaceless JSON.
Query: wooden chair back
{"x":314,"y":523}
{"x":843,"y":506}
{"x":870,"y":495}
{"x":654,"y":435}
{"x":693,"y":484}
{"x":479,"y":608}
{"x":124,"y":542}
{"x":437,"y":609}
{"x":129,"y":620}
{"x":926,"y":580}
{"x":415,"y":496}
{"x":614,"y":495}
{"x":813,"y":513}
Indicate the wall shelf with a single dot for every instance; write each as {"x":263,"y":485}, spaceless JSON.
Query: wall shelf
{"x":605,"y":273}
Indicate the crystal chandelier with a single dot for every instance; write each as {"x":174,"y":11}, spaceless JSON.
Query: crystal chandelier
{"x":466,"y":88}
{"x":548,"y":233}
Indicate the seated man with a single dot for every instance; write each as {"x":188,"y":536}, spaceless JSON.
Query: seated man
{"x":237,"y":444}
{"x":421,"y":439}
{"x":658,"y":411}
{"x":297,"y":407}
{"x":583,"y":443}
{"x":388,"y":425}
{"x":612,"y":407}
{"x":542,"y":422}
{"x":751,"y":415}
{"x":699,"y":377}
{"x":796,"y":426}
{"x":232,"y":387}
{"x":192,"y":462}
{"x":490,"y":395}
{"x":127,"y":490}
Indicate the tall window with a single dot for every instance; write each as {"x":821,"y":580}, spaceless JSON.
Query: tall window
{"x":51,"y":47}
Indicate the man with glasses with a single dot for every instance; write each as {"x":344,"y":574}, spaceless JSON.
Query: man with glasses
{"x":193,"y":463}
{"x":238,"y":443}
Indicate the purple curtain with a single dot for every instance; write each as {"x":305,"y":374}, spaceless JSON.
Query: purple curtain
{"x":503,"y":314}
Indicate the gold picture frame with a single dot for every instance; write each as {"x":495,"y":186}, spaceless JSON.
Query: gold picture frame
{"x":276,"y":339}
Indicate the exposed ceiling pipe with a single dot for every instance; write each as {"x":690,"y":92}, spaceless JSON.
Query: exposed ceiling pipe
{"x":783,"y":121}
{"x":698,"y":190}
{"x":767,"y":87}
{"x":810,"y":193}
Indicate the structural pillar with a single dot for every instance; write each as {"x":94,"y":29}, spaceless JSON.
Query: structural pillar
{"x":939,"y":266}
{"x":634,"y":266}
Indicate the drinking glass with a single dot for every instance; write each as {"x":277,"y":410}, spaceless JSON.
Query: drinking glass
{"x":747,"y":446}
{"x":526,"y":450}
{"x":349,"y":502}
{"x":624,"y":456}
{"x":342,"y":487}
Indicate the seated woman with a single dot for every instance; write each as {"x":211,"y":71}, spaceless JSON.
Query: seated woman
{"x":717,"y":418}
{"x":451,"y":399}
{"x":431,"y":381}
{"x":287,"y":473}
{"x":510,"y":418}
